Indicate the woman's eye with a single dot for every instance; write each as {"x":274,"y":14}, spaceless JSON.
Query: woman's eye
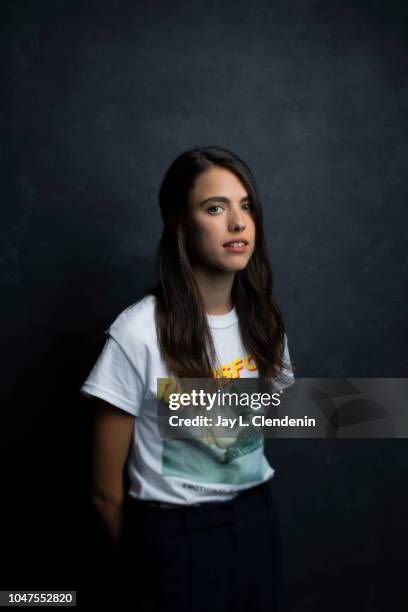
{"x":212,"y":208}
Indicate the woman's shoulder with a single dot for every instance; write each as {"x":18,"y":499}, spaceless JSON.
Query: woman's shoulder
{"x":136,"y":321}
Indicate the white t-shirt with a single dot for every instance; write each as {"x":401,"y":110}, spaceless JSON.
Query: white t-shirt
{"x":182,"y":471}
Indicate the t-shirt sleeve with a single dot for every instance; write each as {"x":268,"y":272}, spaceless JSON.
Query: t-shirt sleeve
{"x":118,"y":375}
{"x":286,"y":377}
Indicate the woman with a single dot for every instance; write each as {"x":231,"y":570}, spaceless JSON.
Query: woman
{"x":197,"y":527}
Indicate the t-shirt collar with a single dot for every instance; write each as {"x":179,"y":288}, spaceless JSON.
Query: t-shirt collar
{"x":224,"y":320}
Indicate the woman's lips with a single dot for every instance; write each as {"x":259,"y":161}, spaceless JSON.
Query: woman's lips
{"x":235,"y":249}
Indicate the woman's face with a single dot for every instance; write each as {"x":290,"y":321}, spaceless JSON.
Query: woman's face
{"x":220,"y":212}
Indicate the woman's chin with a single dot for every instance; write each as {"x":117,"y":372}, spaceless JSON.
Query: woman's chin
{"x":222,"y":266}
{"x":236,"y":266}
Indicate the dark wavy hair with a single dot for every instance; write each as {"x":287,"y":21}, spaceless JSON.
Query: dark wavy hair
{"x":183,"y":334}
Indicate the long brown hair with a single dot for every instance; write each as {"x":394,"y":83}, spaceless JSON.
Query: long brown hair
{"x":184,"y":336}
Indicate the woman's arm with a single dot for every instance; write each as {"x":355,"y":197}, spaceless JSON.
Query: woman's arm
{"x":112,"y":430}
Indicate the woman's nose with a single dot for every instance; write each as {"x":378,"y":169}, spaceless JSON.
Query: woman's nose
{"x":237,"y":223}
{"x":237,"y":220}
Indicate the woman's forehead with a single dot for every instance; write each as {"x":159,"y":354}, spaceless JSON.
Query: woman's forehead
{"x":217,"y":181}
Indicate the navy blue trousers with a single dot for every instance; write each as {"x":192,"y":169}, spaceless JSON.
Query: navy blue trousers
{"x":217,"y":557}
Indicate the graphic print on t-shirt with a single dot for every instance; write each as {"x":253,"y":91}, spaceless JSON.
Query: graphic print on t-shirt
{"x":214,"y":459}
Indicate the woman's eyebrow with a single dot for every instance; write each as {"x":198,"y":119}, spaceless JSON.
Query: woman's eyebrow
{"x":221,"y":199}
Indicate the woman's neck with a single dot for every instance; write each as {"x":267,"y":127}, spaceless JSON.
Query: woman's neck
{"x":215,"y":288}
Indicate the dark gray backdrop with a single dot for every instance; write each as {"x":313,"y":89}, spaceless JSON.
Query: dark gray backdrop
{"x":97,"y":100}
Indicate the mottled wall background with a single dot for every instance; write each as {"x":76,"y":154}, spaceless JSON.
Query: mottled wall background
{"x":97,"y":99}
